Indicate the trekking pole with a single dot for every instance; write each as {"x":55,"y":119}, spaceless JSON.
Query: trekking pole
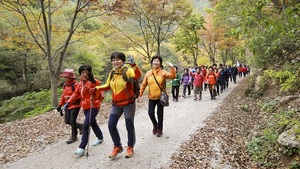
{"x":89,"y":130}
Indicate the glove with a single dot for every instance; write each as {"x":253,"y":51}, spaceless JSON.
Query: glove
{"x":93,"y":90}
{"x":66,"y":106}
{"x":58,"y":108}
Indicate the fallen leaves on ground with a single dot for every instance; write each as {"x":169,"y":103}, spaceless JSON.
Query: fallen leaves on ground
{"x":222,"y":142}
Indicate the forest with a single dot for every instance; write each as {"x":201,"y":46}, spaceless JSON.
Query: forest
{"x":41,"y":38}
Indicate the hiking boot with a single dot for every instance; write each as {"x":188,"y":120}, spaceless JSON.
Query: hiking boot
{"x":97,"y":142}
{"x":154,"y":130}
{"x":116,"y":150}
{"x":72,"y":139}
{"x":80,"y":128}
{"x":80,"y":151}
{"x":159,"y":133}
{"x":129,"y":152}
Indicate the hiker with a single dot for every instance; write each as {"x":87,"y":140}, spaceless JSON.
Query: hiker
{"x":234,"y":72}
{"x":120,"y":81}
{"x":198,"y":83}
{"x":176,"y":85}
{"x":212,"y":81}
{"x":222,"y":74}
{"x":90,"y":104}
{"x":155,"y":80}
{"x":71,"y":113}
{"x":204,"y":72}
{"x":217,"y":85}
{"x":186,"y":80}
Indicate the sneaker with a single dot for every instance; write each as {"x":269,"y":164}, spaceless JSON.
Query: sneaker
{"x":72,"y":139}
{"x":195,"y":98}
{"x":129,"y":152}
{"x":183,"y":96}
{"x":159,"y":133}
{"x":116,"y":150}
{"x":80,"y":151}
{"x":176,"y":100}
{"x":97,"y":142}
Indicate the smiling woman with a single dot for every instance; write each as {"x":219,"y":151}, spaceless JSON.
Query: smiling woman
{"x":120,"y":81}
{"x":155,"y":80}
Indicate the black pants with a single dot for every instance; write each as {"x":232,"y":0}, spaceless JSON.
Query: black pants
{"x":234,"y":78}
{"x":175,"y":92}
{"x":70,"y":118}
{"x":160,"y":113}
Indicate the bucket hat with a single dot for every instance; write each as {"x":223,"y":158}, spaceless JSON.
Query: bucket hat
{"x":68,"y":73}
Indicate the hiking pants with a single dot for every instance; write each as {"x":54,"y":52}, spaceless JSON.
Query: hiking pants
{"x":160,"y":113}
{"x":115,"y":114}
{"x":175,"y":91}
{"x":188,"y":86}
{"x":70,"y":118}
{"x":93,"y":124}
{"x":234,"y":78}
{"x":198,"y":90}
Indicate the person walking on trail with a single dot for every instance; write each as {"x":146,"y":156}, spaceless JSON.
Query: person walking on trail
{"x":71,"y":113}
{"x":198,"y":83}
{"x":234,"y":72}
{"x":204,"y":72}
{"x":90,"y":104}
{"x":217,"y":85}
{"x":222,"y":74}
{"x":212,"y":80}
{"x":186,"y":80}
{"x":121,"y":82}
{"x":176,"y":85}
{"x":155,"y":80}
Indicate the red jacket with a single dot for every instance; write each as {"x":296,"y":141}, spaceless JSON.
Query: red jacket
{"x":83,"y":92}
{"x":198,"y":79}
{"x":67,"y":93}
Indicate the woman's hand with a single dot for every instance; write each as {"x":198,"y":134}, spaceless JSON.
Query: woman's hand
{"x":170,"y":64}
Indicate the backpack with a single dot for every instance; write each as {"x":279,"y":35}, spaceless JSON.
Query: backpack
{"x":136,"y":85}
{"x":72,"y":85}
{"x":77,"y":101}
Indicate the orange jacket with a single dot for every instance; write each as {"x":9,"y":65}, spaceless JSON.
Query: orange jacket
{"x":67,"y":93}
{"x":121,"y":90}
{"x":154,"y":91}
{"x":83,"y":92}
{"x":211,"y":77}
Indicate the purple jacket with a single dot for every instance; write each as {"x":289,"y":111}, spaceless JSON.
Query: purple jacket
{"x":186,"y":79}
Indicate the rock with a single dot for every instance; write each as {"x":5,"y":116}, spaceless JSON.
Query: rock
{"x":288,"y":138}
{"x":287,"y":99}
{"x":256,"y":87}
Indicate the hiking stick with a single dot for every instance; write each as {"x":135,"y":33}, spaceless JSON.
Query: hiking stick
{"x":89,"y":130}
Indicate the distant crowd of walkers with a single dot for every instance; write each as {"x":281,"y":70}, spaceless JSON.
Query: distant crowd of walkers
{"x":213,"y":78}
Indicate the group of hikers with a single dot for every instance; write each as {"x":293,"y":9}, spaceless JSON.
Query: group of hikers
{"x":214,"y":78}
{"x":88,"y":93}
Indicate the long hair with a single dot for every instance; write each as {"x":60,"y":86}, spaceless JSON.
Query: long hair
{"x":90,"y":72}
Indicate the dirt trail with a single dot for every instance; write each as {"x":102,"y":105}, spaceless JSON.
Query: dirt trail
{"x":181,"y":119}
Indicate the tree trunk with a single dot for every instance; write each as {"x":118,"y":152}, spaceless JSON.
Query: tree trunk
{"x":54,"y":90}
